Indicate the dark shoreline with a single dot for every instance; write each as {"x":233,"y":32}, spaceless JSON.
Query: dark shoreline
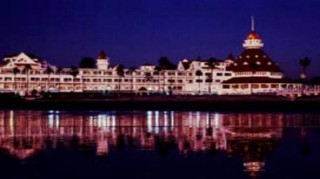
{"x":179,"y":103}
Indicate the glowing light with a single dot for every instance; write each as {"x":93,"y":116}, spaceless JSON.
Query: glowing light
{"x":156,"y":125}
{"x":190,"y":119}
{"x":11,"y":121}
{"x":172,"y":119}
{"x":91,"y":121}
{"x":51,"y":120}
{"x":57,"y":119}
{"x":254,"y":167}
{"x":113,"y":121}
{"x":149,"y":121}
{"x":216,"y":120}
{"x":102,"y":120}
{"x":198,"y":118}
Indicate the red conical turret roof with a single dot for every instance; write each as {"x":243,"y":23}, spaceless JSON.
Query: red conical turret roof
{"x":253,"y":35}
{"x":102,"y":55}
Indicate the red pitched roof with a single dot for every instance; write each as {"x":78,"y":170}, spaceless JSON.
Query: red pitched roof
{"x":258,"y":57}
{"x":230,"y":57}
{"x":186,"y":64}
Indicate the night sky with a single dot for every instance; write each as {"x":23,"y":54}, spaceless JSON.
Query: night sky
{"x":133,"y":32}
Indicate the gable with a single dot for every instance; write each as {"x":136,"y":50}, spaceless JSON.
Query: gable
{"x":21,"y":60}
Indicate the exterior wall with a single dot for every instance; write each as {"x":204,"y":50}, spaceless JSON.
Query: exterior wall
{"x":145,"y":79}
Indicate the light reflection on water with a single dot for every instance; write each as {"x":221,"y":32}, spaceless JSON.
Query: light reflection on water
{"x":252,"y":136}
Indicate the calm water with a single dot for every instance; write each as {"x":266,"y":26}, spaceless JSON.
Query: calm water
{"x":158,"y":144}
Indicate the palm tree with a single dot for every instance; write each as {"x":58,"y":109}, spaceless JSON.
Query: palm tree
{"x":198,"y":74}
{"x":59,"y":71}
{"x":26,"y":69}
{"x":74,"y":71}
{"x":15,"y":71}
{"x":148,"y":77}
{"x":164,"y":63}
{"x":130,"y":72}
{"x":120,"y":74}
{"x":211,"y":63}
{"x":48,"y":71}
{"x":157,"y":71}
{"x":304,"y":63}
{"x":87,"y":62}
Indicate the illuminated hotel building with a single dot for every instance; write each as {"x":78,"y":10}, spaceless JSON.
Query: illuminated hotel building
{"x":252,"y":72}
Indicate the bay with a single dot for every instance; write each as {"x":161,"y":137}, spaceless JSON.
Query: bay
{"x":158,"y":144}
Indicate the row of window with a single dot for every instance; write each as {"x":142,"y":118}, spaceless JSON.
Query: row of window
{"x":32,"y":79}
{"x":71,"y":87}
{"x":250,"y":73}
{"x":38,"y":72}
{"x":225,"y":74}
{"x":246,"y":86}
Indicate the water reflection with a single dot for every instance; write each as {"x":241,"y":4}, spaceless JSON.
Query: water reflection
{"x":252,"y":136}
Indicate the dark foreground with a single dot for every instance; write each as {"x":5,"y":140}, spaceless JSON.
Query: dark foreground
{"x":217,"y":103}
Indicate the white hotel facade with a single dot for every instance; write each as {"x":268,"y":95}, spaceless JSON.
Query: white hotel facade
{"x":251,"y":72}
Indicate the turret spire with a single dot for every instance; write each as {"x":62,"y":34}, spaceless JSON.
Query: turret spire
{"x":253,"y":40}
{"x":252,"y":23}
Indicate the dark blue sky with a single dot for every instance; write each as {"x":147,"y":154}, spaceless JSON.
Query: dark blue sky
{"x":133,"y":32}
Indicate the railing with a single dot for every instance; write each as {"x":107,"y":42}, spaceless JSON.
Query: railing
{"x":306,"y":90}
